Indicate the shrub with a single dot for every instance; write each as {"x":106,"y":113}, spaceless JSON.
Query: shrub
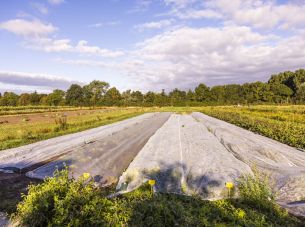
{"x":61,"y":201}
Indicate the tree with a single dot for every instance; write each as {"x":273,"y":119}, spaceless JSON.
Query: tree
{"x":57,"y":97}
{"x":24,"y":99}
{"x":201,"y":93}
{"x":300,"y":96}
{"x":190,"y":96}
{"x":75,"y":95}
{"x":217,"y":94}
{"x":94,"y":91}
{"x":34,"y":98}
{"x":233,"y":94}
{"x":112,"y":96}
{"x":177,"y":97}
{"x":149,"y":98}
{"x":137,"y":98}
{"x":281,"y":92}
{"x":9,"y":99}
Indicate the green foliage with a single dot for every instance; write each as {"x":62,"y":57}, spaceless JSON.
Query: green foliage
{"x":61,"y":201}
{"x":75,"y":95}
{"x":256,"y":190}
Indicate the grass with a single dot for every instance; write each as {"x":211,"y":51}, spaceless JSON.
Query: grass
{"x":62,"y":201}
{"x":14,"y":135}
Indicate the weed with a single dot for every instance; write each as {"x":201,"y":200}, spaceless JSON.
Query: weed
{"x":61,"y":123}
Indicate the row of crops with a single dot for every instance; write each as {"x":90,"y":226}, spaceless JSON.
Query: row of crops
{"x":282,"y":123}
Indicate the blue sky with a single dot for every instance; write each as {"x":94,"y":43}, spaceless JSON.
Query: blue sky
{"x":146,"y":44}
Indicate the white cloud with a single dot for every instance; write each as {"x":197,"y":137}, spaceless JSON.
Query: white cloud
{"x":188,"y":56}
{"x":40,"y":7}
{"x":261,"y":14}
{"x":56,"y":2}
{"x":104,"y":24}
{"x":64,"y":45}
{"x":28,"y":28}
{"x":36,"y":36}
{"x":154,"y":25}
{"x":199,"y":14}
{"x":49,"y":45}
{"x":83,"y":48}
{"x":37,"y":81}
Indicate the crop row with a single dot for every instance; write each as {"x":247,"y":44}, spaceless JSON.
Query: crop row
{"x":287,"y":128}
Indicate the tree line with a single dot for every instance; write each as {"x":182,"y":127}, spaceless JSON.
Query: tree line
{"x":285,"y":87}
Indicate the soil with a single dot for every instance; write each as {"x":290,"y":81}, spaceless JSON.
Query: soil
{"x":45,"y":116}
{"x":11,"y":188}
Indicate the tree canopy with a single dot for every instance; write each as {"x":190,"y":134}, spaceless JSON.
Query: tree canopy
{"x":285,"y":87}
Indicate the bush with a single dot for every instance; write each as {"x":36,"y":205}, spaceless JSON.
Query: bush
{"x":61,"y":201}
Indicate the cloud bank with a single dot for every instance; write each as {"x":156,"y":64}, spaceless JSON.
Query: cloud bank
{"x":33,"y":81}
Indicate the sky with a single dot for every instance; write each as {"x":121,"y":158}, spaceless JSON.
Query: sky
{"x":147,"y":44}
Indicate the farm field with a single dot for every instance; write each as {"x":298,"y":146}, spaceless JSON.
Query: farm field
{"x":184,"y":151}
{"x":21,"y":129}
{"x":282,"y":123}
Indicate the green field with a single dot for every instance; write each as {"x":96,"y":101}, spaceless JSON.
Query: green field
{"x":285,"y":124}
{"x":25,"y":132}
{"x":71,"y":202}
{"x":282,"y":123}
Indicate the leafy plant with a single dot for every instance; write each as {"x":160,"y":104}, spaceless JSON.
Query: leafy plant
{"x":64,"y":201}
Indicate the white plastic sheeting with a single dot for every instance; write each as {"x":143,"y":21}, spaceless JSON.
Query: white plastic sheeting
{"x":107,"y":157}
{"x":183,"y":157}
{"x":284,"y":164}
{"x":32,"y":154}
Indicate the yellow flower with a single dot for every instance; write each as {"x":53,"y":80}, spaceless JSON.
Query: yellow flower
{"x":151,"y":182}
{"x":86,"y":175}
{"x":241,"y":214}
{"x":229,"y":185}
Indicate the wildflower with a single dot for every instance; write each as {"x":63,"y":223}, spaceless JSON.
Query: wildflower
{"x":241,"y":214}
{"x":86,"y":175}
{"x":229,"y":186}
{"x":151,"y":182}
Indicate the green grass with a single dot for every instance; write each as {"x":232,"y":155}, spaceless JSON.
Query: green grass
{"x":68,"y":202}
